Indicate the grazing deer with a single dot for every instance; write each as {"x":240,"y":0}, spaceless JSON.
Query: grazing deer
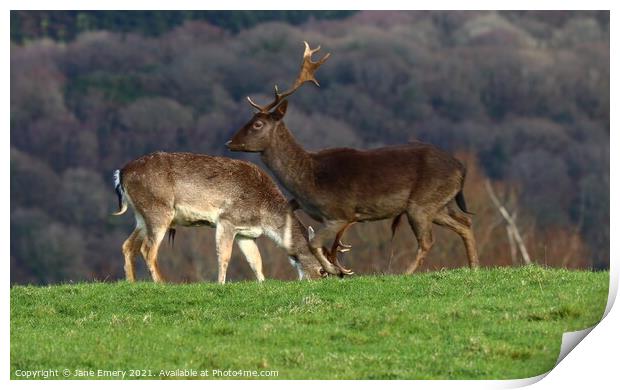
{"x":342,"y":186}
{"x":185,"y":189}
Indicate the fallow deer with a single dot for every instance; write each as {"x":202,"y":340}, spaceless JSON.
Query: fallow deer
{"x":342,"y":186}
{"x":241,"y":201}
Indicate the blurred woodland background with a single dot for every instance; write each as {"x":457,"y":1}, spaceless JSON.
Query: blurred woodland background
{"x":521,"y":97}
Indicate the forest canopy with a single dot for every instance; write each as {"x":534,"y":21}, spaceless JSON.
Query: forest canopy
{"x":524,"y":96}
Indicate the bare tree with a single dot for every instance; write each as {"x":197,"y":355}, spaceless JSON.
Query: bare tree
{"x":511,"y":227}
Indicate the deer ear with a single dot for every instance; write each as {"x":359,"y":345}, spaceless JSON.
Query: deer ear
{"x":310,"y":233}
{"x":280,"y":111}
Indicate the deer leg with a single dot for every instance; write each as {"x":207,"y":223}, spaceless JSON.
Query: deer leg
{"x":131,"y":248}
{"x":150,"y":248}
{"x":460,"y":223}
{"x":423,"y":230}
{"x":394,"y":226}
{"x":467,"y":234}
{"x":224,"y":237}
{"x":252,"y":255}
{"x":318,"y":242}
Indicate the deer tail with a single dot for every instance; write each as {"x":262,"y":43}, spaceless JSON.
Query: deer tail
{"x":120,"y":193}
{"x":460,"y":200}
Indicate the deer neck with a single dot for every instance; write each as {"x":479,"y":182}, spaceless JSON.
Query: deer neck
{"x":288,"y":160}
{"x":286,"y":231}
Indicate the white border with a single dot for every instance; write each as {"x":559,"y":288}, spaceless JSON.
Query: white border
{"x":591,"y":363}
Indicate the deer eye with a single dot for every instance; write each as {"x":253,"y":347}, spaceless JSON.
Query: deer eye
{"x":258,"y":125}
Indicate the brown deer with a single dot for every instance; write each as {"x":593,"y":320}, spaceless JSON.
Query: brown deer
{"x":342,"y":186}
{"x":241,"y":201}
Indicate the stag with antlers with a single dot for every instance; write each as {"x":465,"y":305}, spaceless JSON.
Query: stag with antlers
{"x":342,"y":186}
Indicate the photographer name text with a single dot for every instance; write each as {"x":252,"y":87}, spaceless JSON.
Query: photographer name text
{"x":126,"y":374}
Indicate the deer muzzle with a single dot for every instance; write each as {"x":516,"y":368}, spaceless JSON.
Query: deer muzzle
{"x":235,"y":147}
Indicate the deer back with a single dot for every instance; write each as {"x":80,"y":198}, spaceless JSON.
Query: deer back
{"x":188,"y":183}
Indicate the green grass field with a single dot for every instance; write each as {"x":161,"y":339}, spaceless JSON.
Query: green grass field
{"x":492,"y":324}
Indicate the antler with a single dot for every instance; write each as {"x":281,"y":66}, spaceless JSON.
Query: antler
{"x":308,"y":67}
{"x":332,"y":256}
{"x":339,"y":247}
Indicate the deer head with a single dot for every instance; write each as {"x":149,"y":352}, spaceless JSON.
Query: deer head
{"x":256,"y":135}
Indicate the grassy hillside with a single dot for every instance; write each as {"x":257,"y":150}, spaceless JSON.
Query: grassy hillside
{"x":495,"y":323}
